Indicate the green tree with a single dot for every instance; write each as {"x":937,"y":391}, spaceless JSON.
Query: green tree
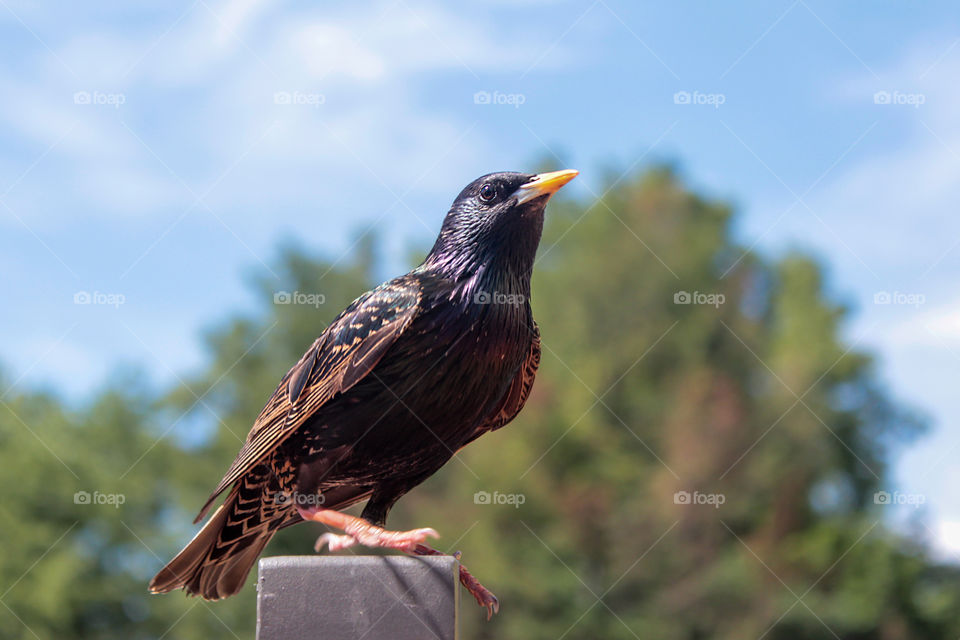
{"x":77,"y":486}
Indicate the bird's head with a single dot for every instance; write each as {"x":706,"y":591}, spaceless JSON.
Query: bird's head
{"x":495,"y":224}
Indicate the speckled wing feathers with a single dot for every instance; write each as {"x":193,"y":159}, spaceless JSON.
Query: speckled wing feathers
{"x":346,"y":352}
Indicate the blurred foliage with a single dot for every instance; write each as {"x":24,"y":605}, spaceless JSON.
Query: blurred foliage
{"x":756,"y":399}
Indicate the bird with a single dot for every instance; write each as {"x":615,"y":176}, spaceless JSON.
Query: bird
{"x":408,"y":374}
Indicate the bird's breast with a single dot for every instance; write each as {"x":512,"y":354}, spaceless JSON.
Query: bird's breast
{"x":446,"y":375}
{"x":441,"y":379}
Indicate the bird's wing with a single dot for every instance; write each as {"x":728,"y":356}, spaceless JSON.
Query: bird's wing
{"x":516,"y":395}
{"x":346,"y":351}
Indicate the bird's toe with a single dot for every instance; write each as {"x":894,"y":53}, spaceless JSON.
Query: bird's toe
{"x":400,"y":540}
{"x":334,"y":542}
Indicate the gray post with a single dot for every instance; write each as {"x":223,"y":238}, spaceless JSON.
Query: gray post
{"x":358,"y":598}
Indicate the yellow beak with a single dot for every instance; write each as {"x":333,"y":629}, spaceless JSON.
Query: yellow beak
{"x":544,"y":184}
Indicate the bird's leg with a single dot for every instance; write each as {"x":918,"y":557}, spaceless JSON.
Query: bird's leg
{"x":359,"y":531}
{"x":484,"y":596}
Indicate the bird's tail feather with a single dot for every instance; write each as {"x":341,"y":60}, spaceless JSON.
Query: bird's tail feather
{"x":216,"y":562}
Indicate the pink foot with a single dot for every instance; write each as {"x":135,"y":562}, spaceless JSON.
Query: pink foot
{"x":370,"y":536}
{"x":362,"y":532}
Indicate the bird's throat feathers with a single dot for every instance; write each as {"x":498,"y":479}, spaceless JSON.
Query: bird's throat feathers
{"x":499,"y":260}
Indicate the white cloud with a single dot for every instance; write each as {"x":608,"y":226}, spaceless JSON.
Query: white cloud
{"x":909,"y":182}
{"x":947,"y":540}
{"x":936,"y":328}
{"x":385,"y":41}
{"x":326,"y":50}
{"x":201,"y":94}
{"x":893,"y":203}
{"x":235,"y":16}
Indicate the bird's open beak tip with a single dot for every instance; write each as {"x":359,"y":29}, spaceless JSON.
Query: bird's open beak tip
{"x":545,"y":184}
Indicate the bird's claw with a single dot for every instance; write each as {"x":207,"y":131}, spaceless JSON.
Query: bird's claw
{"x":481,"y":594}
{"x":489,"y":602}
{"x":334,"y":541}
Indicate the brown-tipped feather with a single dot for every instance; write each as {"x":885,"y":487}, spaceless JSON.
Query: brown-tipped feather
{"x":216,"y":562}
{"x":187,"y":569}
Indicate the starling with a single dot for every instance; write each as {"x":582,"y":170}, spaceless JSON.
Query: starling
{"x":402,"y":379}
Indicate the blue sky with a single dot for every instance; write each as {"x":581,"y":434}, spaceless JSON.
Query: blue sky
{"x":160,"y":151}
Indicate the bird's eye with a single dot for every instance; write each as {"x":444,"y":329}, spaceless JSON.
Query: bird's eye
{"x":488,"y":192}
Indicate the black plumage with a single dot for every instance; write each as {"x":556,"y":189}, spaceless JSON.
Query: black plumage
{"x":404,"y":377}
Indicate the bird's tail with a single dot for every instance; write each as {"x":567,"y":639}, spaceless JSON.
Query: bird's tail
{"x":216,"y":562}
